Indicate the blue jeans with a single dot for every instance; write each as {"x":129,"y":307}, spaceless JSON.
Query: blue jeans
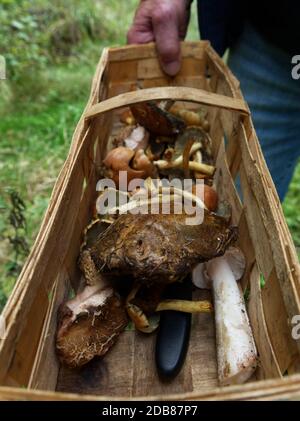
{"x":274,"y":100}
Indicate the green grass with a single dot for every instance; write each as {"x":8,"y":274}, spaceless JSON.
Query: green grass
{"x":36,"y":127}
{"x":291,"y":208}
{"x":35,"y":138}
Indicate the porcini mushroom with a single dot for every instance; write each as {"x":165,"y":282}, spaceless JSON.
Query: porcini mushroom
{"x":236,"y":351}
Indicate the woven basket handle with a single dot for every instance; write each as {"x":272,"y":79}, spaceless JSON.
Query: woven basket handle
{"x":175,"y":92}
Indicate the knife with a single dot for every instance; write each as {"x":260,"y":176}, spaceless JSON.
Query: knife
{"x":174,"y":332}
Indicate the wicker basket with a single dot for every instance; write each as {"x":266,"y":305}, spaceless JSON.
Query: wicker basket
{"x":29,"y":368}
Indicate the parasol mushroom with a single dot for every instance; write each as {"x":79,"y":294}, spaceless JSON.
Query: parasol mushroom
{"x":236,"y":351}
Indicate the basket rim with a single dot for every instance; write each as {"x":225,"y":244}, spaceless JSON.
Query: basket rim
{"x":271,"y":389}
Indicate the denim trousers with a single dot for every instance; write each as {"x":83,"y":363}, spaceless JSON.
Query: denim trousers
{"x":273,"y":96}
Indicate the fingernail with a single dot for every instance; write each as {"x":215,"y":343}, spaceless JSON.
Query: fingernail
{"x":171,"y":68}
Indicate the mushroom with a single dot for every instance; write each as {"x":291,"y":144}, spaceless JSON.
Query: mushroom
{"x":185,"y":306}
{"x":126,"y":117}
{"x":236,"y":351}
{"x":155,"y":149}
{"x":157,"y":120}
{"x":118,"y":160}
{"x":197,"y":157}
{"x":132,"y":137}
{"x":178,"y":163}
{"x":191,"y":118}
{"x":142,"y":322}
{"x":159,"y":248}
{"x":200,"y":141}
{"x":141,"y":162}
{"x":123,"y":133}
{"x":91,"y":232}
{"x":137,"y":139}
{"x":89,"y":324}
{"x":193,"y":166}
{"x":208,"y":195}
{"x":151,"y":303}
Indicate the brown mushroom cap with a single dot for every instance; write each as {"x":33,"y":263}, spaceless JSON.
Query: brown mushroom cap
{"x":160,"y":248}
{"x":157,"y":120}
{"x":89,"y":324}
{"x":117,"y":160}
{"x":141,"y":162}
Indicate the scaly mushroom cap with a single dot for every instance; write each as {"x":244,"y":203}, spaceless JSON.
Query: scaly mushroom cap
{"x":158,"y":121}
{"x":89,"y":324}
{"x":159,"y":248}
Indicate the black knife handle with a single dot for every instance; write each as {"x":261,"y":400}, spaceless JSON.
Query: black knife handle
{"x":174,"y":332}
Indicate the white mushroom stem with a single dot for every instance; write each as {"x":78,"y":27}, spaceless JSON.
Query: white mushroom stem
{"x":236,"y":351}
{"x":198,"y":158}
{"x":169,"y":191}
{"x":193,"y":166}
{"x":140,"y":202}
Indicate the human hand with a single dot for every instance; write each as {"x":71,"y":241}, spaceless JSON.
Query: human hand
{"x":165,"y":22}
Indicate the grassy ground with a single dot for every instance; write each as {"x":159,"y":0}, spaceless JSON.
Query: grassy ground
{"x":35,"y":138}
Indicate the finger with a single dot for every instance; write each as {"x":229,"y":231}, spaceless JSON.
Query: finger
{"x":138,"y":35}
{"x":166,"y":34}
{"x":141,"y":30}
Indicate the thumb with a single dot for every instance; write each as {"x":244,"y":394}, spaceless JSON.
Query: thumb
{"x":166,"y":34}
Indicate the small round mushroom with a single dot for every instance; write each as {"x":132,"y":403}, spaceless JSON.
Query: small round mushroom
{"x":118,"y":160}
{"x":236,"y":351}
{"x":141,"y":162}
{"x":208,"y":195}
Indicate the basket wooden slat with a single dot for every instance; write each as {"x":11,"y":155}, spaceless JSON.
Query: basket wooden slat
{"x":283,"y":389}
{"x":125,"y":76}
